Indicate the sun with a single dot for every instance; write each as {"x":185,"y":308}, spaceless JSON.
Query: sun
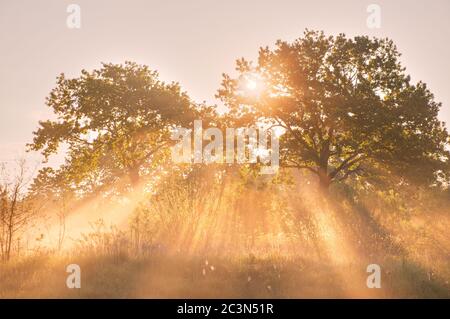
{"x":251,"y":84}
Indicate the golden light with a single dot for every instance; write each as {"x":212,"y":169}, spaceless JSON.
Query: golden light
{"x":251,"y":84}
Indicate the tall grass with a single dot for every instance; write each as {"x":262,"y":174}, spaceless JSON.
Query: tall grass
{"x":221,"y":235}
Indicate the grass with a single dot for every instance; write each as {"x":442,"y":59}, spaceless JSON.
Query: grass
{"x":176,"y":276}
{"x":235,"y":243}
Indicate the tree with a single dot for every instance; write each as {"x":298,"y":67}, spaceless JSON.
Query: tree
{"x":54,"y":191}
{"x":346,"y":106}
{"x":16,"y":207}
{"x":115,"y":122}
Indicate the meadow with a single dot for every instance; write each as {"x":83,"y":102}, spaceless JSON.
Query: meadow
{"x":220,"y":245}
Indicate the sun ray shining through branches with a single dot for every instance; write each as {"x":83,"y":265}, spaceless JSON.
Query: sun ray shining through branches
{"x":358,"y":182}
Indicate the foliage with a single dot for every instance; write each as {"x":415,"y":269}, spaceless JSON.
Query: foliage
{"x":347,"y":108}
{"x":115,"y":122}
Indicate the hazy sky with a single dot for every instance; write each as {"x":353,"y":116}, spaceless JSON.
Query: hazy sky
{"x":191,"y":42}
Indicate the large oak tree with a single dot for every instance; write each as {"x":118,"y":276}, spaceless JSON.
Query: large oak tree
{"x":115,"y":123}
{"x":346,"y":105}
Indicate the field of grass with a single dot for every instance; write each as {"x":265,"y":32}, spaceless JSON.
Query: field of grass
{"x":45,"y":276}
{"x":250,"y":246}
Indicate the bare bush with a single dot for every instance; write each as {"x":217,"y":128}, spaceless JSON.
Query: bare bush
{"x":16,"y":208}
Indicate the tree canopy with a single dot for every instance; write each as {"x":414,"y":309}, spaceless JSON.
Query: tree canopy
{"x":115,"y":123}
{"x":346,"y":105}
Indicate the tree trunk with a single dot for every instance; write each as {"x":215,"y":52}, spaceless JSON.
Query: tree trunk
{"x":8,"y":247}
{"x":324,"y":184}
{"x":324,"y":180}
{"x":134,"y":176}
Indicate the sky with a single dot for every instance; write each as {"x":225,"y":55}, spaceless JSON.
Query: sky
{"x":191,"y":42}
